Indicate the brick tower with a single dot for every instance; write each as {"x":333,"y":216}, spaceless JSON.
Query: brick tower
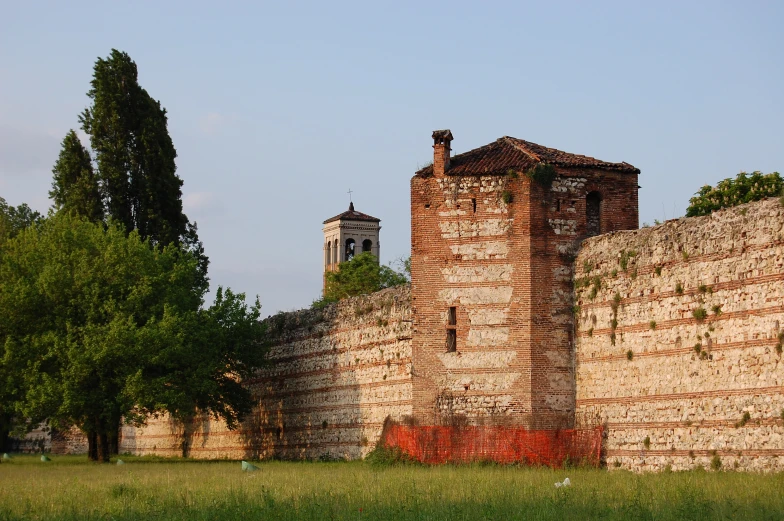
{"x":494,"y":232}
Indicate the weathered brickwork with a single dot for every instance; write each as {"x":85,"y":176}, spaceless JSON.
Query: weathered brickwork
{"x":498,"y":248}
{"x":334,"y":376}
{"x":679,"y":350}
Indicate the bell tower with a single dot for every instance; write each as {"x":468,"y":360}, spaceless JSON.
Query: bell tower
{"x":347,"y":234}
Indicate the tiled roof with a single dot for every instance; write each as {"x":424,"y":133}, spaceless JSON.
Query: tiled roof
{"x":512,"y":153}
{"x":352,"y":215}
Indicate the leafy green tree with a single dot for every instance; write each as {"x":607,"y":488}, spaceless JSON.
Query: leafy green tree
{"x":75,"y":186}
{"x":732,"y":192}
{"x":213,"y":352}
{"x":98,"y":327}
{"x":134,"y":152}
{"x":358,"y":276}
{"x":12,"y":221}
{"x":15,"y":219}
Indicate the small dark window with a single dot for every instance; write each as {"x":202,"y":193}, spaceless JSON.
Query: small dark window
{"x":558,"y":205}
{"x":593,"y":214}
{"x":451,"y":330}
{"x":367,"y":244}
{"x":473,"y":204}
{"x":427,"y":207}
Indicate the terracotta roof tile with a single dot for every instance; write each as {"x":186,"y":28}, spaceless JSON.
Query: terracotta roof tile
{"x":352,"y":215}
{"x":512,"y":153}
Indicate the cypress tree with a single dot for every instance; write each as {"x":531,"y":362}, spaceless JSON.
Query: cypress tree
{"x":134,"y":152}
{"x":75,"y":186}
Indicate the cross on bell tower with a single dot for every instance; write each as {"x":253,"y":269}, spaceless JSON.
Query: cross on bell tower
{"x":347,"y":234}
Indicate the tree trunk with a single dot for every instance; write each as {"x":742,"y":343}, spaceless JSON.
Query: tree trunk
{"x":103,"y":446}
{"x":92,"y":446}
{"x":5,"y":431}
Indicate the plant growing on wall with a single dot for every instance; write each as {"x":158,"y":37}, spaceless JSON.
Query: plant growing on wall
{"x":542,"y":173}
{"x":745,"y":188}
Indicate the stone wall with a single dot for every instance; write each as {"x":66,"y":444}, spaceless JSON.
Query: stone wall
{"x":678,"y":341}
{"x":334,"y":376}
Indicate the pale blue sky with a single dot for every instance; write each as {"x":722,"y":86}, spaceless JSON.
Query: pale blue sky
{"x":276,"y":110}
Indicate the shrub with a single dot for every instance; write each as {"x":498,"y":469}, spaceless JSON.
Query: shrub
{"x":652,"y":325}
{"x":625,"y":256}
{"x":744,"y":419}
{"x":590,"y":332}
{"x":587,"y":267}
{"x":732,"y":192}
{"x":657,"y":270}
{"x":542,"y":173}
{"x":716,"y":310}
{"x":698,"y":348}
{"x":715,"y":462}
{"x":646,"y":442}
{"x":383,"y":455}
{"x":629,"y":355}
{"x":699,"y":314}
{"x":679,"y":288}
{"x":506,"y":196}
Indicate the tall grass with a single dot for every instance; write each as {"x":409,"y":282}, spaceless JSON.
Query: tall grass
{"x":71,"y":488}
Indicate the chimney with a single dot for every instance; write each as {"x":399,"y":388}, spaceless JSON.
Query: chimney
{"x":442,"y":140}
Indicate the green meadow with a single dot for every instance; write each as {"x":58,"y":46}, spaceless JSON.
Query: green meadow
{"x":68,"y":487}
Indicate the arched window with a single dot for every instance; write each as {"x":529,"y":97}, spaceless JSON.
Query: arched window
{"x":593,"y":214}
{"x":367,"y":245}
{"x":335,"y":253}
{"x":349,"y":249}
{"x":328,"y":255}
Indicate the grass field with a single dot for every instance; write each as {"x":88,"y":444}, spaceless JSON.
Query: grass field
{"x":71,"y":488}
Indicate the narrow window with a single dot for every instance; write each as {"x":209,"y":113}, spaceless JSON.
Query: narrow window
{"x":367,"y":244}
{"x":558,"y":205}
{"x":473,"y":204}
{"x":349,"y":249}
{"x":335,"y":253}
{"x":593,"y":214}
{"x":451,"y":330}
{"x":329,"y":253}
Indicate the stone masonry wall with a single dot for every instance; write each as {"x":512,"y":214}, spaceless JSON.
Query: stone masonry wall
{"x":335,"y":375}
{"x":678,"y":341}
